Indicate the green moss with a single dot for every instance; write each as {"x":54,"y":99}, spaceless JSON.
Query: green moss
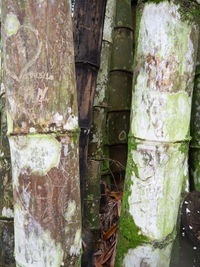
{"x":189,"y":10}
{"x":184,"y":147}
{"x":152,"y":1}
{"x":129,"y":233}
{"x":5,"y":218}
{"x":177,"y":126}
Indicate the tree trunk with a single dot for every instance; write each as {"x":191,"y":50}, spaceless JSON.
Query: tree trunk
{"x":159,"y":134}
{"x":43,"y":131}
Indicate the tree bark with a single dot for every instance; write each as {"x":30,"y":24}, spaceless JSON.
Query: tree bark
{"x":159,"y":134}
{"x":42,"y":118}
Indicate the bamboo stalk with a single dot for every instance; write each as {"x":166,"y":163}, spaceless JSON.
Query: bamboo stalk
{"x":119,"y":99}
{"x":159,"y":134}
{"x":194,"y":155}
{"x":6,"y":200}
{"x":88,"y":29}
{"x":42,"y":118}
{"x":97,"y":134}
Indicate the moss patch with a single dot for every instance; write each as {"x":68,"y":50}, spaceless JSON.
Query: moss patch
{"x":129,"y":233}
{"x":189,"y":10}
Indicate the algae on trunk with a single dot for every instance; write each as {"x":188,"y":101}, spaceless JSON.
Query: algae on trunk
{"x":159,"y":133}
{"x":42,"y":117}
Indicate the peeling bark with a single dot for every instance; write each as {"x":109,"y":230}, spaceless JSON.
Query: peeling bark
{"x":159,"y":135}
{"x":42,"y":117}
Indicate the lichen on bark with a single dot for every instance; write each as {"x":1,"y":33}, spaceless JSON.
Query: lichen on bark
{"x":42,"y":117}
{"x":159,"y":133}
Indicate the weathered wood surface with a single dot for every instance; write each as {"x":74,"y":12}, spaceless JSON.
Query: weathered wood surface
{"x":88,"y":31}
{"x":159,"y":134}
{"x":42,"y":116}
{"x":39,"y":84}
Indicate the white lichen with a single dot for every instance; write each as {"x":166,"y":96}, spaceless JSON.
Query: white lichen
{"x":36,"y":249}
{"x":71,"y":209}
{"x":7,"y":212}
{"x":147,"y":255}
{"x":155,"y":193}
{"x":38,"y":153}
{"x":11,"y":24}
{"x":161,"y":103}
{"x":76,"y":247}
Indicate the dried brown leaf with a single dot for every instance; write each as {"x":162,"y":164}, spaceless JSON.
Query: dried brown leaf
{"x":110,"y":232}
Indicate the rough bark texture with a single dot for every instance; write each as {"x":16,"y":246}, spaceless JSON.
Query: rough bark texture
{"x":42,"y":116}
{"x":97,"y":134}
{"x":119,"y":99}
{"x":159,"y":134}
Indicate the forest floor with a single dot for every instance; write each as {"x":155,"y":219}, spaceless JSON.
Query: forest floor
{"x":109,"y":217}
{"x":186,"y":250}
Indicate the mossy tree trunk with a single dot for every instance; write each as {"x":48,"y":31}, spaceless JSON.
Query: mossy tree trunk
{"x":42,"y":116}
{"x":120,"y":87}
{"x":159,"y":134}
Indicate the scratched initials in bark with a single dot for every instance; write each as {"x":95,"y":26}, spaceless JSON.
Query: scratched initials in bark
{"x":21,"y":51}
